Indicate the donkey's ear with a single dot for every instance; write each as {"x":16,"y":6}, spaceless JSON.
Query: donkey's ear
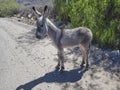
{"x":45,"y":11}
{"x":45,"y":8}
{"x":36,"y":11}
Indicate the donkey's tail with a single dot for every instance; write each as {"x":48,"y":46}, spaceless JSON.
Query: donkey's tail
{"x":88,"y":51}
{"x":89,"y":45}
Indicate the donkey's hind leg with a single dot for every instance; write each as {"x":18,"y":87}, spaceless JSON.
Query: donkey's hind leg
{"x":83,"y":55}
{"x":85,"y":51}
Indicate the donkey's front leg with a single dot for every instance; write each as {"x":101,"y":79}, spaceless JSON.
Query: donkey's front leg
{"x":60,"y":65}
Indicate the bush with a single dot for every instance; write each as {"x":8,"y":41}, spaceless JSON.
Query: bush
{"x":8,"y":7}
{"x":101,"y":16}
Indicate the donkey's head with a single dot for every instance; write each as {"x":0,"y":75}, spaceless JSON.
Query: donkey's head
{"x":41,"y":31}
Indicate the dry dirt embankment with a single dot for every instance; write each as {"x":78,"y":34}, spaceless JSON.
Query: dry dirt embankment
{"x":28,"y":64}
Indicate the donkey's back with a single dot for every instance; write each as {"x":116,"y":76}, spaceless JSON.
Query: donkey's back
{"x":76,"y":36}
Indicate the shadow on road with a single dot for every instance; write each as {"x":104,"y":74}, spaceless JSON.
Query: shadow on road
{"x":56,"y":77}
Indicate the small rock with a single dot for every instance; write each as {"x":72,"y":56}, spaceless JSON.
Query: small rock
{"x":106,"y":54}
{"x":29,"y":15}
{"x":115,"y":53}
{"x":22,"y":17}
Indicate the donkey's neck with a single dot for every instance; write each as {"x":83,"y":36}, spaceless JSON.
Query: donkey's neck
{"x":53,"y":32}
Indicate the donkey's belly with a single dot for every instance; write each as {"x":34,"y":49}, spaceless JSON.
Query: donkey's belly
{"x":70,"y":42}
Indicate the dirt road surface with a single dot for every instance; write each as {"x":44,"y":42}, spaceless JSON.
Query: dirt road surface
{"x":28,"y":64}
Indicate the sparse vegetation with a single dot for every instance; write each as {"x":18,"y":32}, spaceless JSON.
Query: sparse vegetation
{"x":101,"y":16}
{"x":8,"y":8}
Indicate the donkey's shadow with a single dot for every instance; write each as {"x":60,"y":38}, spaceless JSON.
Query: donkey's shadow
{"x":56,"y":77}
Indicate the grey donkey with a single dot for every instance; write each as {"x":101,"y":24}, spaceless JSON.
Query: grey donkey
{"x":63,"y":38}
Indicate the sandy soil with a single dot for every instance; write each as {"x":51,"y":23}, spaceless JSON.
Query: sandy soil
{"x":28,"y":64}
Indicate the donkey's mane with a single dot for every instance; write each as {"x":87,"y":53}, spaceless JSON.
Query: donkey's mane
{"x":51,"y":25}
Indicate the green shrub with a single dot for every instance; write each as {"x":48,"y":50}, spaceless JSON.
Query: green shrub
{"x":8,"y":7}
{"x":101,"y":16}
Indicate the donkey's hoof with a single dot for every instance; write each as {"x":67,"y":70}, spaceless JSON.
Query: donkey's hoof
{"x":82,"y":65}
{"x":87,"y":67}
{"x":57,"y":67}
{"x":62,"y":69}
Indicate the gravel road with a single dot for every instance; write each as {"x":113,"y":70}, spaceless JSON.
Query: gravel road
{"x":21,"y":59}
{"x":27,"y":63}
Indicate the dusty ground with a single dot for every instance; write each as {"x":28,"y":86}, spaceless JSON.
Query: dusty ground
{"x":28,"y":64}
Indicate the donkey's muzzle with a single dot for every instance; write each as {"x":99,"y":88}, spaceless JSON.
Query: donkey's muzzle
{"x":38,"y":37}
